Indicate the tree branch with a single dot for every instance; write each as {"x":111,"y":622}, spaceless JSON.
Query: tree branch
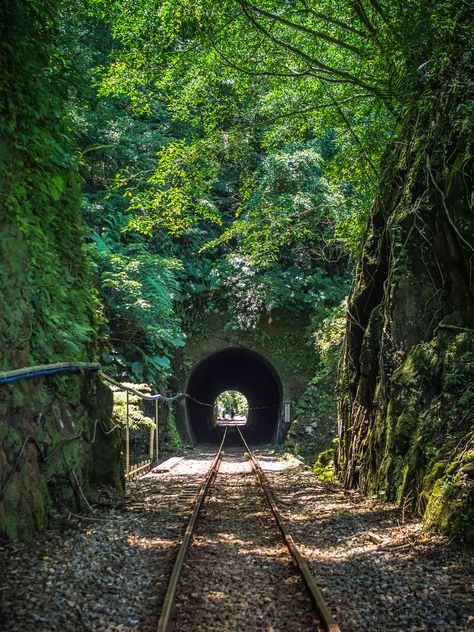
{"x":360,"y":11}
{"x":378,"y":8}
{"x":322,"y":67}
{"x":351,"y":130}
{"x":312,"y":108}
{"x":257,"y":73}
{"x":335,"y":21}
{"x":306,"y":29}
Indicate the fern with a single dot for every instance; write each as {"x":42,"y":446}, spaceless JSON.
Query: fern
{"x":139,"y":291}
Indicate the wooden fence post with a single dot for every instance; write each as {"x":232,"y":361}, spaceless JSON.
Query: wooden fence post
{"x":152,"y":442}
{"x":127,"y":444}
{"x":156,"y":430}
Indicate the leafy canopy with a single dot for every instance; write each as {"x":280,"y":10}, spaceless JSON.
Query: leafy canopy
{"x":264,"y":74}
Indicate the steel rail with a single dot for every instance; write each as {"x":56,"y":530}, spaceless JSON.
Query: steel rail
{"x":317,"y":598}
{"x":169,"y":600}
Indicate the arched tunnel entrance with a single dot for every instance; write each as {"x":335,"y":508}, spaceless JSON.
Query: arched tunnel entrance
{"x":240,"y":370}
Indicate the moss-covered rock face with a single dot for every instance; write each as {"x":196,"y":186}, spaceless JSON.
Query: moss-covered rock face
{"x":407,"y":398}
{"x":47,"y":303}
{"x":62,"y":421}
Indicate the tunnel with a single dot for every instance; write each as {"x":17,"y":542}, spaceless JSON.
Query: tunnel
{"x":241,"y":370}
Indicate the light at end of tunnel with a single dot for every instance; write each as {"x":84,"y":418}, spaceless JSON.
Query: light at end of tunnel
{"x":231,"y":408}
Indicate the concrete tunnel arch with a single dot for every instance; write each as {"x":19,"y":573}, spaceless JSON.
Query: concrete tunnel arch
{"x":239,"y":369}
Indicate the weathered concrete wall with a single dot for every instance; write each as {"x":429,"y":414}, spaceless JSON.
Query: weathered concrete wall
{"x":282,"y":343}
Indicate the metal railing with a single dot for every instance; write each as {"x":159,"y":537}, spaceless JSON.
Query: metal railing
{"x":131,"y":472}
{"x":154,"y":437}
{"x":9,"y":377}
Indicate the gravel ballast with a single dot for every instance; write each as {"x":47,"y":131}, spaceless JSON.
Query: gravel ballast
{"x":108,"y":570}
{"x":239,"y":574}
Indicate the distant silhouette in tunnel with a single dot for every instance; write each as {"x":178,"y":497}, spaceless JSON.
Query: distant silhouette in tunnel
{"x":240,"y":370}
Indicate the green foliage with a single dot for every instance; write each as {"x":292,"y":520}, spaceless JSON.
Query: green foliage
{"x":253,"y":292}
{"x":287,"y":204}
{"x":173,"y":440}
{"x":177,"y":194}
{"x":183,"y":163}
{"x":324,"y":466}
{"x":256,"y":77}
{"x":137,"y":277}
{"x":138,"y":290}
{"x":48,"y":304}
{"x":136,"y":416}
{"x":314,"y":429}
{"x":42,"y":230}
{"x":329,"y":336}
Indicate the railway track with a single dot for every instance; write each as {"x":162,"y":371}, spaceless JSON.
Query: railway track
{"x":238,"y":565}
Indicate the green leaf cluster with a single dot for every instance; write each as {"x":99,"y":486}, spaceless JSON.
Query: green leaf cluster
{"x":138,"y":291}
{"x":48,"y":304}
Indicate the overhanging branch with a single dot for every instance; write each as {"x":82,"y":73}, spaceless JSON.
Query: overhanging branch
{"x":305,"y":29}
{"x":316,"y":63}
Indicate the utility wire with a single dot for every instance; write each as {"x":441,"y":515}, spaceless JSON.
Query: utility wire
{"x":7,"y":377}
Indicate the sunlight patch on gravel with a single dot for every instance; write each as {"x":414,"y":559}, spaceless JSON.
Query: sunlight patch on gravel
{"x":107,"y":571}
{"x":398,"y":576}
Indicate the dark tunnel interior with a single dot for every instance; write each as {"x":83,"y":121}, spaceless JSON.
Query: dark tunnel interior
{"x":240,"y":370}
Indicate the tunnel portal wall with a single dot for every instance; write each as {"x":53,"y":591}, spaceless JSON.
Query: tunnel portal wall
{"x":270,"y":366}
{"x":241,"y":370}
